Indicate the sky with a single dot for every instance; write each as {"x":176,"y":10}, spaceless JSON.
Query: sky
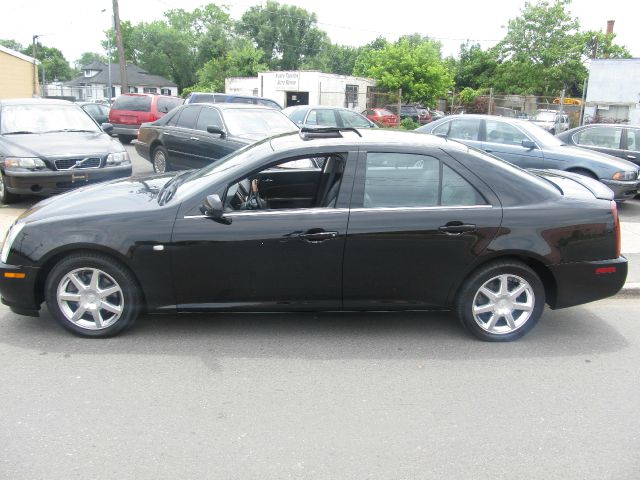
{"x":76,"y":26}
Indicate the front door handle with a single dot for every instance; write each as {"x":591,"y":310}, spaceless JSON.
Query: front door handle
{"x":631,"y":157}
{"x":456,"y":228}
{"x":194,"y":138}
{"x":488,"y":150}
{"x":317,"y":237}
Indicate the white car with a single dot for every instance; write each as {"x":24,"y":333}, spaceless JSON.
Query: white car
{"x":552,"y":121}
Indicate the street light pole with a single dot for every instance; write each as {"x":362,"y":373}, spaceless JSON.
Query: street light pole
{"x":35,"y":68}
{"x":111,"y":27}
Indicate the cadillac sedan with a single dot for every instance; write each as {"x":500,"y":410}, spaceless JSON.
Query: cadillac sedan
{"x":321,"y":220}
{"x":529,"y":146}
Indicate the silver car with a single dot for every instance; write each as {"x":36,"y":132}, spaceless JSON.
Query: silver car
{"x":529,"y":146}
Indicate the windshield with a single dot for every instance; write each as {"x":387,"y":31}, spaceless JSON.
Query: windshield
{"x":42,"y":118}
{"x":545,"y":117}
{"x":257,"y":122}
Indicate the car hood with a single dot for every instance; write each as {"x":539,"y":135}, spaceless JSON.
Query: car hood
{"x":59,"y":144}
{"x":566,"y":152}
{"x":133,"y":194}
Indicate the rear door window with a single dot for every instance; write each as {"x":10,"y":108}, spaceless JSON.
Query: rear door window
{"x":133,"y":103}
{"x":605,"y":137}
{"x":353,"y":119}
{"x":464,"y":129}
{"x":633,"y":140}
{"x":188,"y":117}
{"x":165,"y":104}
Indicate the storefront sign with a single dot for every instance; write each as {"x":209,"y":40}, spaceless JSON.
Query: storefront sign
{"x":287,"y":80}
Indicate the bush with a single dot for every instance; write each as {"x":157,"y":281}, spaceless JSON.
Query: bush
{"x":409,"y":124}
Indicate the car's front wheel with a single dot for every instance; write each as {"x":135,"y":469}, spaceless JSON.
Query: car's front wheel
{"x":92,"y":295}
{"x":6,"y":196}
{"x":160,"y":160}
{"x":125,"y":139}
{"x":501,"y":301}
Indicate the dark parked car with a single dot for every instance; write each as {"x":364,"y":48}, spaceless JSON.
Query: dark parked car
{"x":529,"y":146}
{"x":99,"y":112}
{"x":390,"y":221}
{"x":130,"y":110}
{"x":613,"y":139}
{"x":327,"y":116}
{"x":50,"y":146}
{"x":195,"y":135}
{"x":406,"y":111}
{"x":209,"y":97}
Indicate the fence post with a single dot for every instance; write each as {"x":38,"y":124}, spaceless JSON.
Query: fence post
{"x":584,"y":97}
{"x":399,"y":106}
{"x":490,"y":100}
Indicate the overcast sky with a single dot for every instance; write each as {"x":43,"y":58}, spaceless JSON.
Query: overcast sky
{"x":76,"y":26}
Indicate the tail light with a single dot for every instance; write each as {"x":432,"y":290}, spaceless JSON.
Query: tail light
{"x":616,"y":220}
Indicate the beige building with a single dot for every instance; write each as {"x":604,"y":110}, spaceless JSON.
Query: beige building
{"x":16,"y":74}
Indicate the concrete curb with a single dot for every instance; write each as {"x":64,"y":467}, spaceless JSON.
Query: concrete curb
{"x":629,"y":290}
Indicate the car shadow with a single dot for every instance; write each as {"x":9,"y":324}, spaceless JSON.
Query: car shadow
{"x":322,"y":336}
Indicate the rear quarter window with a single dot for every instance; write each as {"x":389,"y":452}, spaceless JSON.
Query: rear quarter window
{"x":132,"y":103}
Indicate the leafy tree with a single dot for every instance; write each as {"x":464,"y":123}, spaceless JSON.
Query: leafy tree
{"x":88,"y":58}
{"x":12,"y":44}
{"x":475,"y":68}
{"x":338,"y":59}
{"x":286,"y":34}
{"x":56,"y":67}
{"x":128,"y":42}
{"x":243,"y":60}
{"x":416,"y":68}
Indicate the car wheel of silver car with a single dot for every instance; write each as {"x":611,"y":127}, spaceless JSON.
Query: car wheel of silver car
{"x":160,"y":160}
{"x":501,"y":301}
{"x":92,"y":295}
{"x":5,"y":195}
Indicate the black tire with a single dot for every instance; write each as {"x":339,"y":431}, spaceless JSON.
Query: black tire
{"x":160,"y":160}
{"x":6,"y":196}
{"x":112,"y":275}
{"x":512,"y":275}
{"x":552,"y":131}
{"x":125,"y":139}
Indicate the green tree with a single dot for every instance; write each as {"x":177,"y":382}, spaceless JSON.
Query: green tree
{"x":56,"y":67}
{"x":416,"y":68}
{"x":12,"y":44}
{"x":287,"y":35}
{"x":338,"y":59}
{"x":475,"y":68}
{"x":128,"y":42}
{"x":88,"y":58}
{"x":243,"y":60}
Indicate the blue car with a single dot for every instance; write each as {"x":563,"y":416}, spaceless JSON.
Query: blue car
{"x":530,"y":146}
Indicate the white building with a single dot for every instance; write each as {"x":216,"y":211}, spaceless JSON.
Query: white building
{"x":304,"y":87}
{"x":613,"y":92}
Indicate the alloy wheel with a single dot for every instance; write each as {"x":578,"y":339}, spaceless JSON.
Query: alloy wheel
{"x":90,"y":298}
{"x":159,"y":162}
{"x":503,"y":304}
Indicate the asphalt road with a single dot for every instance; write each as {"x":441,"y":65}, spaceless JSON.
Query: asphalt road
{"x":351,"y":396}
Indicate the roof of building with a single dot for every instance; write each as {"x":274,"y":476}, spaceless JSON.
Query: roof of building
{"x":135,"y":76}
{"x":19,"y":55}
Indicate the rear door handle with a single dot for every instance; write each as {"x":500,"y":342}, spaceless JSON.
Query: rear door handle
{"x":487,"y":150}
{"x":194,"y":138}
{"x":456,"y":228}
{"x":631,"y":157}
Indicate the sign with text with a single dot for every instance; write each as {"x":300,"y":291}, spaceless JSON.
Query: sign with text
{"x":287,"y":80}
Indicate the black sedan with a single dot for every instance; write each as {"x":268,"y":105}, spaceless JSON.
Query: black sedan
{"x":51,"y":146}
{"x":613,"y":139}
{"x":382,"y":220}
{"x":530,"y":146}
{"x":195,"y":135}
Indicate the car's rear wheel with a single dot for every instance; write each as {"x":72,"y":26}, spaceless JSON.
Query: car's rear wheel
{"x":92,"y":295}
{"x":501,"y":301}
{"x":124,"y":139}
{"x":6,"y":196}
{"x":161,"y":160}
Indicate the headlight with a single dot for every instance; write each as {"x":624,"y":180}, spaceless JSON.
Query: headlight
{"x":12,"y":234}
{"x":29,"y":163}
{"x":625,"y":175}
{"x":120,"y":158}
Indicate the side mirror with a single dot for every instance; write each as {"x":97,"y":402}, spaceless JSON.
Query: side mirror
{"x":214,"y":129}
{"x":212,"y":206}
{"x":529,"y":144}
{"x":107,"y":128}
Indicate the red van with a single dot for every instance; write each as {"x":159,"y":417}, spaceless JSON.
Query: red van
{"x":130,"y":110}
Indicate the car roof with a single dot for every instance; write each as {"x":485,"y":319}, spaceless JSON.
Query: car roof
{"x":34,"y":101}
{"x":231,"y":106}
{"x":368,"y":137}
{"x":517,"y":121}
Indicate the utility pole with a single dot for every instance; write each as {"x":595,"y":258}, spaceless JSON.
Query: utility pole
{"x":490,"y":100}
{"x":399,"y":106}
{"x":123,"y":64}
{"x":562,"y":102}
{"x":35,"y":67}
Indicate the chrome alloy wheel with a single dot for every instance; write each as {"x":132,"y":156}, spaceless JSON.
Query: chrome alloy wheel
{"x":159,"y":161}
{"x":1,"y":185}
{"x":90,"y":298}
{"x":503,"y":304}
